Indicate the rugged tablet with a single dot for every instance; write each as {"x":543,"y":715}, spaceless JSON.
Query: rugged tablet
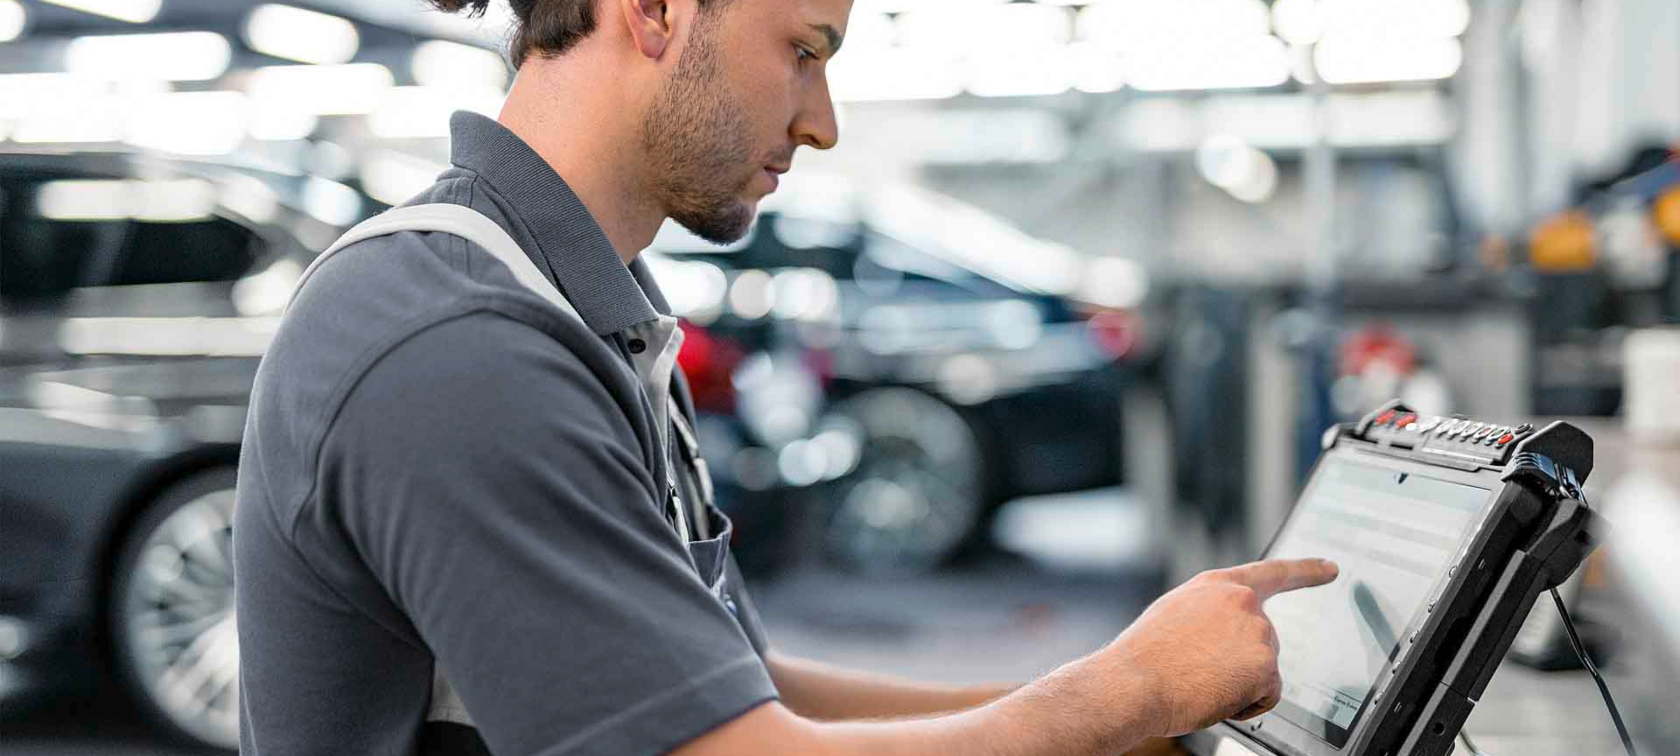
{"x":1446,"y":529}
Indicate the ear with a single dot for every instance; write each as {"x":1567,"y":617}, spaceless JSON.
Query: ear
{"x":650,"y":24}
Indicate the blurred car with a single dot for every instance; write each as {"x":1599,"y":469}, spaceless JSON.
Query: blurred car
{"x":136,"y":297}
{"x":964,"y":363}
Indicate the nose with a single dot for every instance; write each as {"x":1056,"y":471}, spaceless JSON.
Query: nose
{"x":814,"y":125}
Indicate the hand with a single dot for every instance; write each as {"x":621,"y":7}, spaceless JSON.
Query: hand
{"x":1206,"y":650}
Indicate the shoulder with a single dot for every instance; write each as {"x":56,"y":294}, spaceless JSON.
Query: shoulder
{"x":485,"y":388}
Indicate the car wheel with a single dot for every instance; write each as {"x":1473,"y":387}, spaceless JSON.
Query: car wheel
{"x":917,"y":494}
{"x":172,"y":614}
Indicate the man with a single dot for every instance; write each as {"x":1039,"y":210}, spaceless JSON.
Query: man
{"x":455,"y":531}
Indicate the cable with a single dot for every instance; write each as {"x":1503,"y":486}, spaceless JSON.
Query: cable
{"x":1586,"y":661}
{"x":1470,"y":744}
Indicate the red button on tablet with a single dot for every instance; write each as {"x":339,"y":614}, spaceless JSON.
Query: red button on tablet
{"x":1505,"y":439}
{"x":1405,"y":420}
{"x":1385,"y":417}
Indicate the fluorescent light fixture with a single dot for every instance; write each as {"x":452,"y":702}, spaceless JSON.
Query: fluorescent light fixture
{"x":1024,"y":72}
{"x":306,"y":36}
{"x":986,"y":27}
{"x":12,"y":20}
{"x":394,"y":178}
{"x":132,"y":11}
{"x":1165,"y":25}
{"x":349,"y":89}
{"x":103,"y":200}
{"x":267,"y":293}
{"x":870,"y":31}
{"x":451,"y":64}
{"x":28,"y":95}
{"x":190,"y":123}
{"x":174,"y":56}
{"x":884,"y":75}
{"x":250,"y":197}
{"x":1362,"y":60}
{"x":1097,"y":69}
{"x":1246,"y":63}
{"x":273,"y":122}
{"x":901,"y":6}
{"x":1298,"y":22}
{"x":424,"y":112}
{"x":1385,"y":19}
{"x":83,"y":120}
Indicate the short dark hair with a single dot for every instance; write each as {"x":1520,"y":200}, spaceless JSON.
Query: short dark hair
{"x":547,"y":28}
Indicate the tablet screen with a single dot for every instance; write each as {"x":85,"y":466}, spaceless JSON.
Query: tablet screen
{"x":1393,"y":534}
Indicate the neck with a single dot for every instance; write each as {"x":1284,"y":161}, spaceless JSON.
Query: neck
{"x":583,"y":141}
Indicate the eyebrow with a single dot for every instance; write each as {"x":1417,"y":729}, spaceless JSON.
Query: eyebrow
{"x":831,"y":34}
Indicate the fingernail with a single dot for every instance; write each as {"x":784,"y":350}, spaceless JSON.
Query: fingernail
{"x":1331,"y":566}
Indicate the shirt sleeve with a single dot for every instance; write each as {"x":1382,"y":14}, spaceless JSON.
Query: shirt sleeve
{"x":494,"y":487}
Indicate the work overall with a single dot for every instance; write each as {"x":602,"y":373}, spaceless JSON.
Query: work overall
{"x":652,"y":355}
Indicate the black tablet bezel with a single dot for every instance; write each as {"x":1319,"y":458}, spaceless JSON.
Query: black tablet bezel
{"x":1284,"y":736}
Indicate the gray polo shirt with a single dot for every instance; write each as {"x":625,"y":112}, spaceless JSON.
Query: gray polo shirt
{"x":440,"y":467}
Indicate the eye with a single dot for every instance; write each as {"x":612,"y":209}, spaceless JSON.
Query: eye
{"x":801,"y":54}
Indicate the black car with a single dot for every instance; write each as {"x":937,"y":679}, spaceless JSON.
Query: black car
{"x":968,"y":364}
{"x":136,"y":297}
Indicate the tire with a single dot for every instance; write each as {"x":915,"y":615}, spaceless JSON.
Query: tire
{"x":917,"y":496}
{"x":171,"y":614}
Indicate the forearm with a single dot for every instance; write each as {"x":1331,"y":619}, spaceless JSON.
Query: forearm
{"x":1086,"y":708}
{"x":824,"y":693}
{"x":1075,"y":711}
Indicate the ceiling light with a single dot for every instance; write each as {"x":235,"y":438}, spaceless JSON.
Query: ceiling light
{"x":1299,"y":22}
{"x":191,"y":123}
{"x":393,"y":177}
{"x":349,"y":89}
{"x":881,"y":75}
{"x":1026,"y":72}
{"x":177,"y":56}
{"x":1250,"y":63}
{"x":306,"y":36}
{"x":132,"y":11}
{"x":438,"y":63}
{"x":1098,"y":68}
{"x":424,"y":112}
{"x":1360,"y":60}
{"x":12,"y":20}
{"x":1385,"y":19}
{"x":1156,"y":25}
{"x":988,"y":27}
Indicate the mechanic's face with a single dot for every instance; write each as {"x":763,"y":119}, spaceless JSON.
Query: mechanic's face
{"x":751,"y":87}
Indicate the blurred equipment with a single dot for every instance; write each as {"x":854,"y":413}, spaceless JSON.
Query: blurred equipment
{"x":1446,"y":530}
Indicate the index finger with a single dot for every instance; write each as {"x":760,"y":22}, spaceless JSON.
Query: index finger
{"x":1271,"y":577}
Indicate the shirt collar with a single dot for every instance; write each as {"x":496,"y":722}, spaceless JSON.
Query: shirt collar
{"x":571,"y":247}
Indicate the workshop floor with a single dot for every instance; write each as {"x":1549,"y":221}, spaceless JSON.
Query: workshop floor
{"x":1002,"y":618}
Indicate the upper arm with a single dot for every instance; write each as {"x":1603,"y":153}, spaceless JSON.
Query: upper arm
{"x":493,"y":487}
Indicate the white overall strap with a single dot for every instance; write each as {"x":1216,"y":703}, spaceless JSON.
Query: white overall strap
{"x":457,"y":220}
